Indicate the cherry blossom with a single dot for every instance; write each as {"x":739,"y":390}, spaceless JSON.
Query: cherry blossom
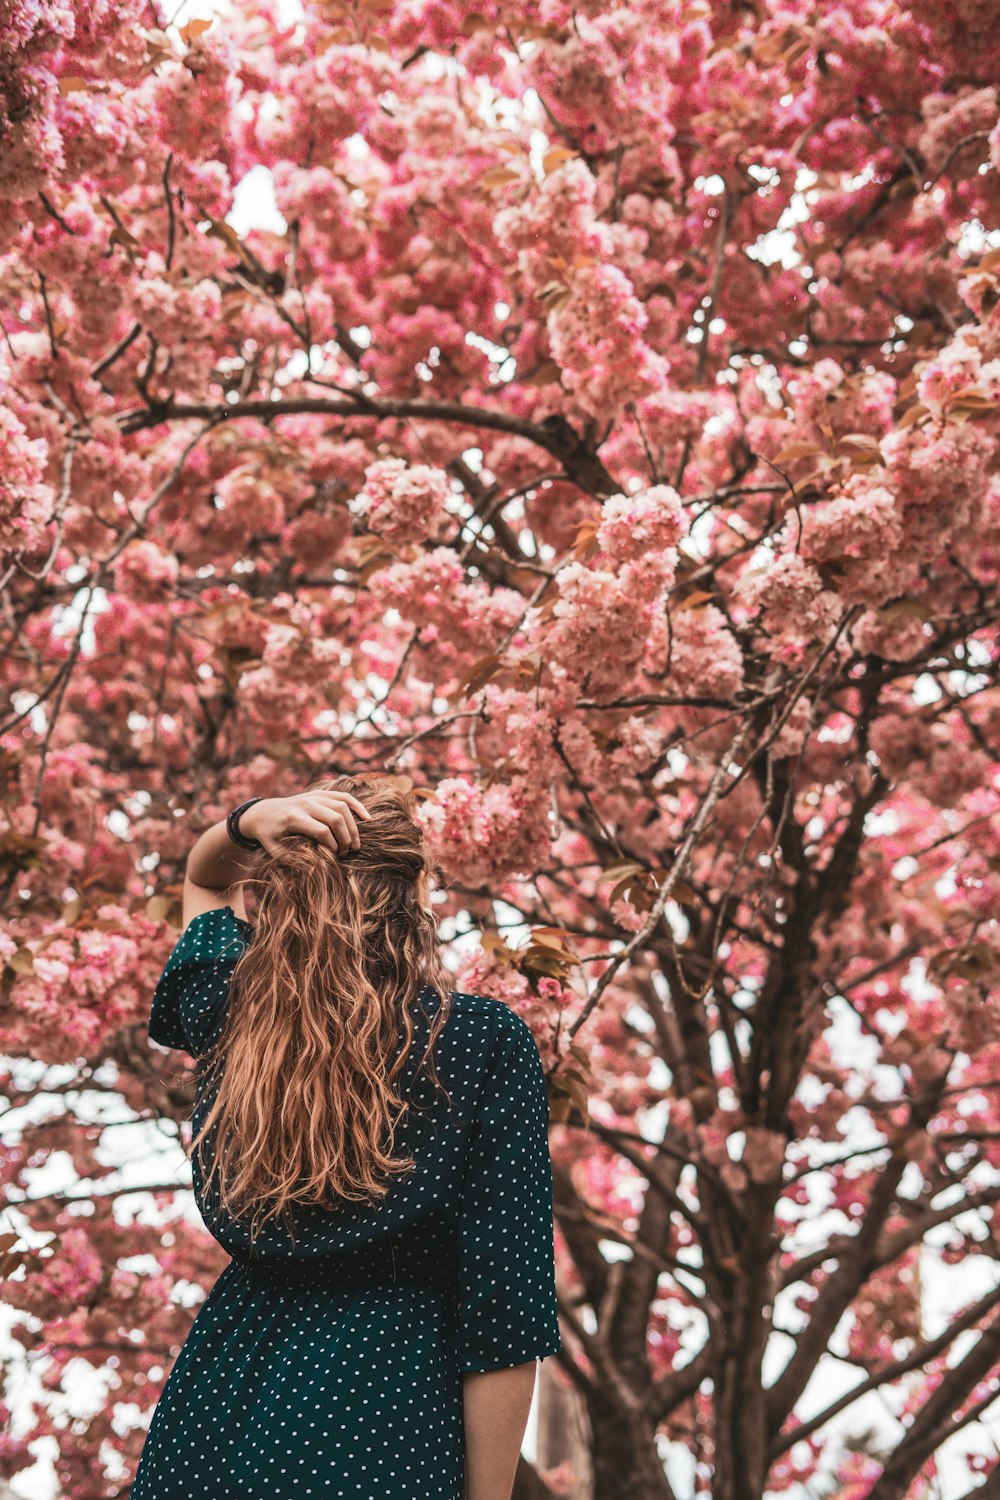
{"x":589,"y":415}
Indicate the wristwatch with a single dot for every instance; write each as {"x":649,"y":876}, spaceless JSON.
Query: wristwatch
{"x":233,"y":826}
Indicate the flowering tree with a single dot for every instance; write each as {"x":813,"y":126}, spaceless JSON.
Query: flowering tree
{"x":603,"y":436}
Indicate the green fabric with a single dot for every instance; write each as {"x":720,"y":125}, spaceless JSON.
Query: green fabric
{"x":331,"y":1365}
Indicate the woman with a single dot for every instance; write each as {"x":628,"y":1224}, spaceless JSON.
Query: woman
{"x":371,"y":1149}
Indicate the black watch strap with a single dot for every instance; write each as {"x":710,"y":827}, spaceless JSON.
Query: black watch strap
{"x":233,"y":826}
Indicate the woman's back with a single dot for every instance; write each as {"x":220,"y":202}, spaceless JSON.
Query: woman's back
{"x":330,"y":1361}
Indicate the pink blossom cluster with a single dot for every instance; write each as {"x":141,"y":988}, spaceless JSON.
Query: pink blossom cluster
{"x":26,"y":499}
{"x":145,"y":572}
{"x":596,"y":339}
{"x":478,"y":831}
{"x":518,"y":732}
{"x":599,"y":626}
{"x":453,"y":613}
{"x":696,"y":650}
{"x":405,"y":503}
{"x":296,"y":654}
{"x":634,"y":525}
{"x":791,"y":605}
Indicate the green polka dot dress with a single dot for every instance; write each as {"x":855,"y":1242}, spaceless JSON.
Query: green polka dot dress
{"x":331,"y":1366}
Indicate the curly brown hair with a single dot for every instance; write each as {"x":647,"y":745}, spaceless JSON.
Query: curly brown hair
{"x":305,"y":1108}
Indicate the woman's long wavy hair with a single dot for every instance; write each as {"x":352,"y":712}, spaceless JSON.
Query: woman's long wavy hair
{"x":320,"y":1022}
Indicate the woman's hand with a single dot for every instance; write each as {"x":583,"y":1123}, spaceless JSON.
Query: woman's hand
{"x":328,"y":817}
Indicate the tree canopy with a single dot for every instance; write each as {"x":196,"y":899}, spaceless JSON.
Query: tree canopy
{"x":599,"y":431}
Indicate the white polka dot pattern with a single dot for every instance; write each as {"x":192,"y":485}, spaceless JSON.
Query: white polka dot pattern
{"x":332,"y":1365}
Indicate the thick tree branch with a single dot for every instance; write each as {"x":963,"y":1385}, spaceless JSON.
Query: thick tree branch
{"x":554,"y":434}
{"x":921,"y":1356}
{"x":936,"y":1420}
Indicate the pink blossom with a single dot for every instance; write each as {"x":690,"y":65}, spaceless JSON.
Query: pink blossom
{"x":952,"y":118}
{"x":599,"y":610}
{"x":696,"y":649}
{"x":405,"y":503}
{"x":479,"y":832}
{"x":432,"y":591}
{"x":596,"y":339}
{"x":145,"y":572}
{"x":795,"y":609}
{"x":26,"y":500}
{"x":632,"y":525}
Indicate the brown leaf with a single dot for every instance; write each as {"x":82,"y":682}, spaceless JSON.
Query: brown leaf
{"x":220,"y":230}
{"x":546,"y":372}
{"x":559,"y":1108}
{"x":555,"y":157}
{"x":796,"y":450}
{"x":694,"y":600}
{"x":528,"y":671}
{"x":121,"y":236}
{"x":478,"y":675}
{"x":554,"y":294}
{"x":904,"y":609}
{"x":497,"y":176}
{"x":629,"y":886}
{"x":684,"y":894}
{"x":973,"y":400}
{"x":585,"y":541}
{"x":564,"y":1093}
{"x":401,"y":783}
{"x":624,"y":867}
{"x":492,"y":942}
{"x":342,"y":34}
{"x":546,"y":607}
{"x":379,"y":560}
{"x":192,"y":30}
{"x":10,"y":1260}
{"x":539,"y":963}
{"x":914,"y":413}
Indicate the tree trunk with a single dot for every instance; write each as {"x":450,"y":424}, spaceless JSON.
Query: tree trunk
{"x":627,"y":1465}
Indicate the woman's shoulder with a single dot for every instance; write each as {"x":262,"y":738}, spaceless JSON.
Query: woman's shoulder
{"x":215,"y":933}
{"x":467,"y":1003}
{"x":490,"y":1022}
{"x":470,"y":1004}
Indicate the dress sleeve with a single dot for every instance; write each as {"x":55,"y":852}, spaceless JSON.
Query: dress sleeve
{"x":191,"y":993}
{"x":506,"y":1261}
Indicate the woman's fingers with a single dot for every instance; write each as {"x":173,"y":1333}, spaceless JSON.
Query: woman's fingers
{"x":327,"y":817}
{"x":340,"y":819}
{"x":322,"y":833}
{"x":352,"y":802}
{"x":341,"y":810}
